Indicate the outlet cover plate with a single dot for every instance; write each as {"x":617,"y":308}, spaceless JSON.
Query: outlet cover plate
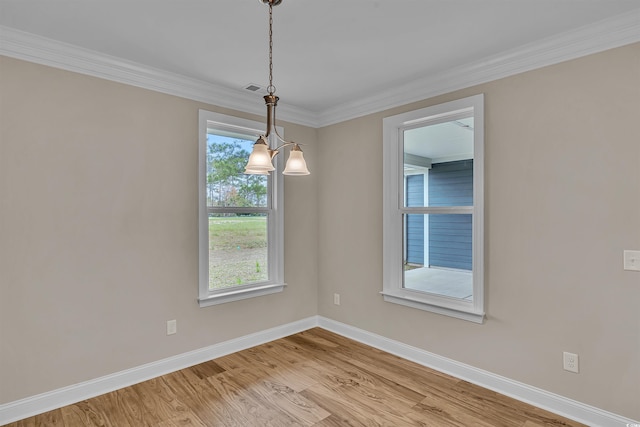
{"x":570,"y":362}
{"x":172,"y":326}
{"x":632,"y":260}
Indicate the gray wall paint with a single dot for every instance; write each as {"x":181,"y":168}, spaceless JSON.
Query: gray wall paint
{"x":86,"y":286}
{"x":562,"y":179}
{"x":98,"y":232}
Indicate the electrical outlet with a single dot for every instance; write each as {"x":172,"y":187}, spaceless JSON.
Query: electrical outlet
{"x":336,"y":299}
{"x":570,"y":362}
{"x":632,"y":260}
{"x":172,"y":327}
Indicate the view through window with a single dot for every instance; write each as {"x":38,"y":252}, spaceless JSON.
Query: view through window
{"x":438,"y":173}
{"x":238,"y":252}
{"x":240,"y":215}
{"x":433,"y":187}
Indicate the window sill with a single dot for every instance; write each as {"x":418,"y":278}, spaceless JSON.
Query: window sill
{"x":240,"y":294}
{"x":454,"y":309}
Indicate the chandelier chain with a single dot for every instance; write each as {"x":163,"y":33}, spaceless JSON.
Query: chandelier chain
{"x":271,"y":89}
{"x":261,"y":158}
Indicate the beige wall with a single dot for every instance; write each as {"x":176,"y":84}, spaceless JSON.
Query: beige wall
{"x":98,"y":231}
{"x":562,"y":203}
{"x":98,"y":234}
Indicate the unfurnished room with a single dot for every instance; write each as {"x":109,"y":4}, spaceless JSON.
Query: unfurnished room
{"x":319,"y":213}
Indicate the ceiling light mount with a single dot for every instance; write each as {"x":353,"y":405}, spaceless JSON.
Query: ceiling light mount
{"x":260,"y":159}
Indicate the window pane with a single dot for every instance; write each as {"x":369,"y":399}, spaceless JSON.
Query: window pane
{"x":433,"y":208}
{"x":227,"y":184}
{"x":237,"y":250}
{"x":438,"y":164}
{"x":438,"y":254}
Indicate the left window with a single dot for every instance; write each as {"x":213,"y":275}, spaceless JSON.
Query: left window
{"x":240,"y":216}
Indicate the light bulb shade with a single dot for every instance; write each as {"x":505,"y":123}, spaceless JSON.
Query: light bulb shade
{"x":296,"y":164}
{"x":259,"y":160}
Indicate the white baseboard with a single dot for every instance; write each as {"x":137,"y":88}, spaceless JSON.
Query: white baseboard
{"x":572,"y":409}
{"x":560,"y":405}
{"x":23,"y":408}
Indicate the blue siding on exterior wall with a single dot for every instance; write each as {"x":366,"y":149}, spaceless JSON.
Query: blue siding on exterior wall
{"x":450,"y":241}
{"x":451,"y":184}
{"x":415,"y":223}
{"x":450,"y":236}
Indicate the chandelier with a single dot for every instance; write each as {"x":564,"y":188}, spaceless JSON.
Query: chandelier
{"x":261,"y":157}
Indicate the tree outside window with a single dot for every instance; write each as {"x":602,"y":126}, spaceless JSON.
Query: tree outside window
{"x":240,"y":218}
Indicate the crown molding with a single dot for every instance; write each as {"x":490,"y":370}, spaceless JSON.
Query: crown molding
{"x":597,"y":37}
{"x":41,"y":50}
{"x":607,"y":34}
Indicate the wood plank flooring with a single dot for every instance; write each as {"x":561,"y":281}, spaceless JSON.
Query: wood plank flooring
{"x":314,"y":378}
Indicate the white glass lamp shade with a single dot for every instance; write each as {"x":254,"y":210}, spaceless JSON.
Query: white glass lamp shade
{"x":259,"y":160}
{"x":296,"y":164}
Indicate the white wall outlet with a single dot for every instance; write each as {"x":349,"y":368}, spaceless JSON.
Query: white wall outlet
{"x":570,"y":362}
{"x":172,"y":327}
{"x":632,"y":260}
{"x":336,"y":299}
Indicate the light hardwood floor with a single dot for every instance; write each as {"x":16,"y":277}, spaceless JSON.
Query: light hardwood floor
{"x":314,"y":378}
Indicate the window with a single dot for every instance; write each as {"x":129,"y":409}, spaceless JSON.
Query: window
{"x":433,"y":209}
{"x":240,"y":216}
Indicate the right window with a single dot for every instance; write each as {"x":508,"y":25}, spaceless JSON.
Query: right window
{"x":433,"y":209}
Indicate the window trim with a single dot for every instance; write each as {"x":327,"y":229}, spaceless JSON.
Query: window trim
{"x":393,"y":184}
{"x":275,"y":208}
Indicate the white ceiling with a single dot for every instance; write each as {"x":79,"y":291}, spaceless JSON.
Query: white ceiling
{"x":327,"y":53}
{"x":442,"y":142}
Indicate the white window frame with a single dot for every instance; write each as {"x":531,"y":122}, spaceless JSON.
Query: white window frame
{"x":393,"y":210}
{"x":275,"y":210}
